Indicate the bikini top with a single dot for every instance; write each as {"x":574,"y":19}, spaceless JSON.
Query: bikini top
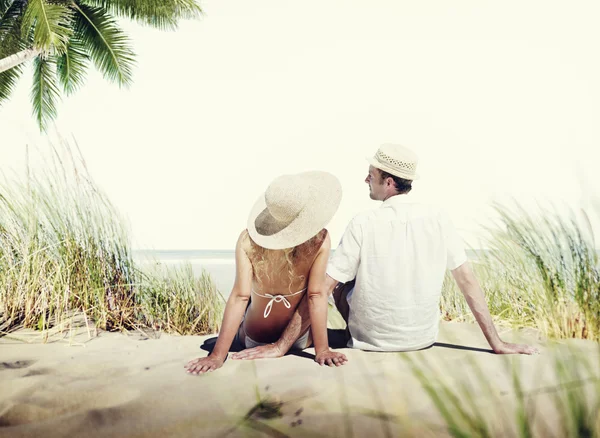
{"x":277,"y":298}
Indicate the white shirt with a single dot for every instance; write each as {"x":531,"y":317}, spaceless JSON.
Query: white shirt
{"x":398,"y":254}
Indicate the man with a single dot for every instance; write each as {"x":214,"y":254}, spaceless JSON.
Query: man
{"x":389,"y":269}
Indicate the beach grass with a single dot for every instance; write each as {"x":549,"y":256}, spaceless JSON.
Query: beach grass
{"x":472,"y":405}
{"x":541,"y":271}
{"x":175,"y":300}
{"x":64,"y":248}
{"x":65,"y":252}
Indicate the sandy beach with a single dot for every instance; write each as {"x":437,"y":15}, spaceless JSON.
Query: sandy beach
{"x":134,"y":384}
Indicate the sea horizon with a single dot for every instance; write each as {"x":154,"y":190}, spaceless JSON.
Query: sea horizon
{"x":183,"y":254}
{"x":172,"y":255}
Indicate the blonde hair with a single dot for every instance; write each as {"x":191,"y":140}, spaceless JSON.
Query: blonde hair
{"x":273,"y":262}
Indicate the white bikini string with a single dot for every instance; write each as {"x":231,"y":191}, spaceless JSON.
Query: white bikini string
{"x":277,"y":299}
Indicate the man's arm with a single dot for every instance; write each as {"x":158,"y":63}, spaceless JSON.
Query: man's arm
{"x":469,"y":286}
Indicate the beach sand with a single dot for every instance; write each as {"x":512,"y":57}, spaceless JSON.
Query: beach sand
{"x":114,"y":384}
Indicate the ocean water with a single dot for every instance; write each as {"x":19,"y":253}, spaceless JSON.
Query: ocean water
{"x":220,"y":264}
{"x":192,"y":254}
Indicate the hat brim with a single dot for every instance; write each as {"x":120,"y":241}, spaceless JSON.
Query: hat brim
{"x":373,"y":162}
{"x":324,"y":194}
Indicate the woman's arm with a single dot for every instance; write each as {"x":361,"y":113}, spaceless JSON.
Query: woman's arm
{"x":232,"y":317}
{"x":317,"y":307}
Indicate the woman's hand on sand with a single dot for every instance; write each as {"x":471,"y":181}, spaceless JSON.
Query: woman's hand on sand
{"x":203,"y":365}
{"x":268,"y":351}
{"x":508,"y":348}
{"x":331,"y":358}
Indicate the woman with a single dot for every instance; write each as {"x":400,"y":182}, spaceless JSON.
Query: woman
{"x":281,"y":260}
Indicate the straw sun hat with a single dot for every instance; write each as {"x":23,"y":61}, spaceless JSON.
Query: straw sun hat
{"x":397,"y":160}
{"x":293,"y":209}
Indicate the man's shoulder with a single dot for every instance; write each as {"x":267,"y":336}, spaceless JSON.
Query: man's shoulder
{"x":411,"y":210}
{"x":427,"y":209}
{"x":415,"y":209}
{"x":363,"y":217}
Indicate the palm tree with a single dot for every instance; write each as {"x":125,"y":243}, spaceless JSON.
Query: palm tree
{"x":64,"y":36}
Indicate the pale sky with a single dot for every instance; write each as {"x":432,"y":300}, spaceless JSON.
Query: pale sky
{"x":498,"y":99}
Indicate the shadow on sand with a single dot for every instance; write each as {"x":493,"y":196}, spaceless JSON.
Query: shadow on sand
{"x":338,"y":338}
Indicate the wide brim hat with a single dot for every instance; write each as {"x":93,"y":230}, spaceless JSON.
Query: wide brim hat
{"x":397,"y":160}
{"x":293,"y":209}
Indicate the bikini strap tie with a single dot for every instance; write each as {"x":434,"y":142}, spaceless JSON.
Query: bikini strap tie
{"x":277,"y":299}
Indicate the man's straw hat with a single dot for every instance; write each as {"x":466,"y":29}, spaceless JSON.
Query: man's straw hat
{"x":397,"y":160}
{"x":293,"y":209}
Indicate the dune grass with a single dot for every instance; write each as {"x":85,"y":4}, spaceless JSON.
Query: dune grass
{"x":175,"y":300}
{"x":64,"y":248}
{"x":473,"y":406}
{"x":542,"y":270}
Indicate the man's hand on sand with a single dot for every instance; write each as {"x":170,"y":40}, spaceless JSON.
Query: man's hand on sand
{"x":331,"y":358}
{"x":203,"y":365}
{"x":508,"y":348}
{"x":268,"y":351}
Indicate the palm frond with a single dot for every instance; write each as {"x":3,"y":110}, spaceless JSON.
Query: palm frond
{"x":9,"y":14}
{"x":72,"y":65}
{"x":162,"y":14}
{"x":106,"y":43}
{"x":44,"y":92}
{"x":8,"y":80}
{"x":11,"y":42}
{"x":5,"y":4}
{"x":51,"y":23}
{"x":10,"y":27}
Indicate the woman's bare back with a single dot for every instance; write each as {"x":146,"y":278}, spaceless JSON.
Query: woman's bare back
{"x":290,"y":284}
